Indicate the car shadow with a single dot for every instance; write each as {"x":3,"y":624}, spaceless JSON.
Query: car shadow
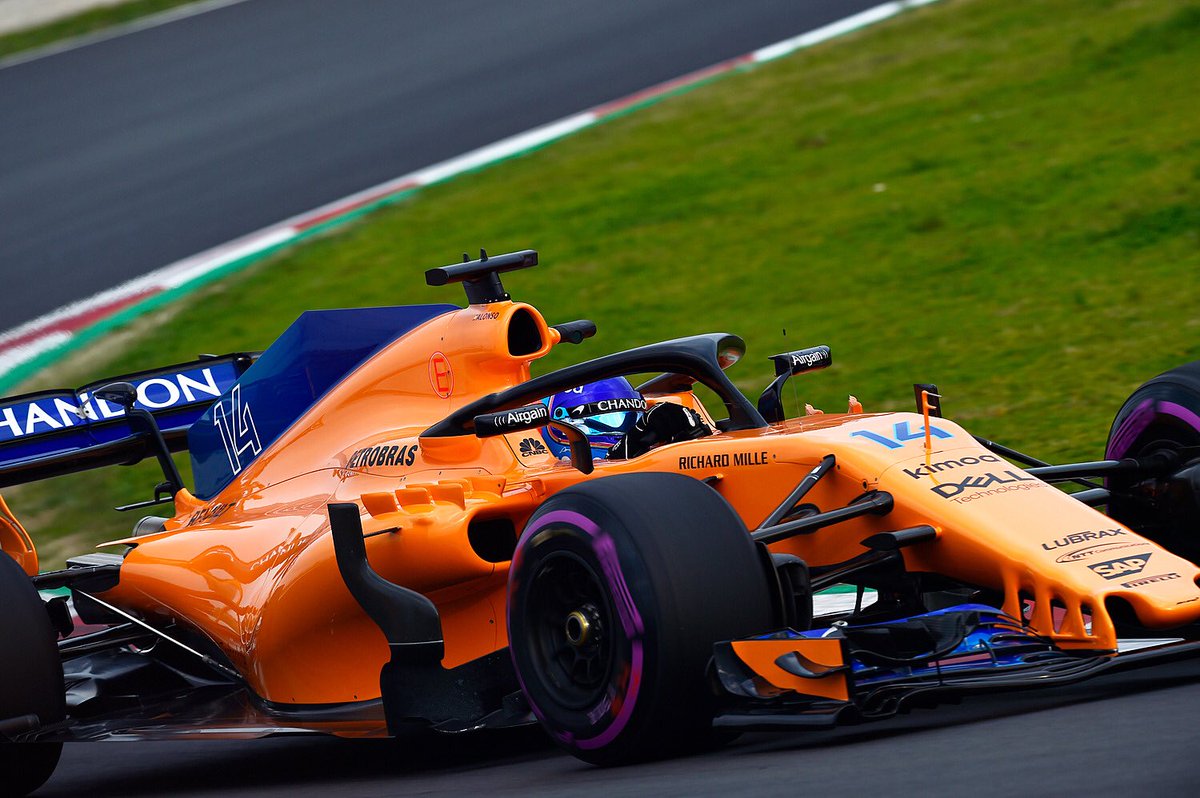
{"x":314,"y":765}
{"x":983,"y":708}
{"x":116,"y":769}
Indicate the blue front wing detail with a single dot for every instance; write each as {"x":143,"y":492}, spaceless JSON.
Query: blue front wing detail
{"x":997,"y":642}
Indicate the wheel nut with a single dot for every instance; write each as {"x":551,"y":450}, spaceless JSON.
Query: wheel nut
{"x":579,"y":628}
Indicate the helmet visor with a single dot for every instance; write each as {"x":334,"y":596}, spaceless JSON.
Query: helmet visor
{"x":611,"y":423}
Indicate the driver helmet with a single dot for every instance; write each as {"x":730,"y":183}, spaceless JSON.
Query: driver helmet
{"x":604,"y":411}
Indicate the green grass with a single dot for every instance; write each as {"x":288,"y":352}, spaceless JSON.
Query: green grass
{"x":81,"y":24}
{"x":1003,"y":198}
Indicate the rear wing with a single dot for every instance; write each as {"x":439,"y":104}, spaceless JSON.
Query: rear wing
{"x":51,"y":433}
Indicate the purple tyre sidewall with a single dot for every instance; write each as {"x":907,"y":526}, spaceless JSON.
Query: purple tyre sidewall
{"x":1163,"y":413}
{"x":604,"y":549}
{"x":1153,"y":406}
{"x":1121,"y":444}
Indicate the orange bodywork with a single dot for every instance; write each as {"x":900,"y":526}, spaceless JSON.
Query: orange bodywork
{"x":761,"y":656}
{"x":14,"y":540}
{"x":253,"y":568}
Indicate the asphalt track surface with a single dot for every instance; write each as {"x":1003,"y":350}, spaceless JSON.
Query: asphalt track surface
{"x":125,"y":155}
{"x":1121,"y":735}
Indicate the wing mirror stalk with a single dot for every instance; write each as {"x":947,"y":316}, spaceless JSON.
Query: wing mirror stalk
{"x":536,"y":416}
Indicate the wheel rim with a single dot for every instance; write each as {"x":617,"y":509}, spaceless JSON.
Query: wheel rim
{"x":1165,"y":433}
{"x":572,"y":646}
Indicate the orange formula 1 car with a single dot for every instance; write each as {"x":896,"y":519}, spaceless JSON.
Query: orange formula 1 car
{"x":379,"y":537}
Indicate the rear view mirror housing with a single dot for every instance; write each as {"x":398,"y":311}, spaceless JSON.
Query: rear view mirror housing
{"x":787,"y":364}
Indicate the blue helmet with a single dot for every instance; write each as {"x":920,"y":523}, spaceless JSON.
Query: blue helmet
{"x":604,"y":411}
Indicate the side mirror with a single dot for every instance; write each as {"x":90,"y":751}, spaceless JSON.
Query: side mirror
{"x":802,"y":360}
{"x":787,"y":364}
{"x":535,"y":416}
{"x":730,"y":351}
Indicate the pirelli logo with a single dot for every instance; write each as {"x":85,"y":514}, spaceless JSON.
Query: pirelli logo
{"x":1149,"y":580}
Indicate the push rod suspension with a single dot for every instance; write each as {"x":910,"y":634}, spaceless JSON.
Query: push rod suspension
{"x":1011,"y":454}
{"x":1156,"y":462}
{"x":207,"y":660}
{"x":863,"y":562}
{"x":105,"y":638}
{"x":1093,"y":497}
{"x":878,"y":503}
{"x":1095,"y":468}
{"x":1024,"y":459}
{"x":812,"y":478}
{"x":885,"y":548}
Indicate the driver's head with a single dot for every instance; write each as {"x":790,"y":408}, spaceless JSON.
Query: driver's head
{"x":604,"y":411}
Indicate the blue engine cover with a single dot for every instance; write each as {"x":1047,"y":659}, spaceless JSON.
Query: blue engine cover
{"x":311,"y":356}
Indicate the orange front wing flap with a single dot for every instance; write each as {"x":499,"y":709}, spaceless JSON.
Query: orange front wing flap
{"x":817,"y":668}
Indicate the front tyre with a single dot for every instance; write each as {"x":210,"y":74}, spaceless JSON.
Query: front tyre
{"x":617,"y":592}
{"x":1162,"y":414}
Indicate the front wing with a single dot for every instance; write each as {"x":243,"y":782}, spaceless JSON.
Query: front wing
{"x":853,"y":673}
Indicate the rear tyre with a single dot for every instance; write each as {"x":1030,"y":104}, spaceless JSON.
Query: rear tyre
{"x":617,"y":592}
{"x":1162,"y":414}
{"x":31,"y":680}
{"x":27,"y":766}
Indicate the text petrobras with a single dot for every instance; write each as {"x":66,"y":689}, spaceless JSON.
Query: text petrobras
{"x":398,"y":455}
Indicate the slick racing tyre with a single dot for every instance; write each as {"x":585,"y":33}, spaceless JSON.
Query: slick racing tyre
{"x":618,"y":589}
{"x":1162,"y":414}
{"x":31,"y":681}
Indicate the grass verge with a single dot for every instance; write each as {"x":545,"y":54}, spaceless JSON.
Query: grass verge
{"x":96,"y":19}
{"x":1003,"y":198}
